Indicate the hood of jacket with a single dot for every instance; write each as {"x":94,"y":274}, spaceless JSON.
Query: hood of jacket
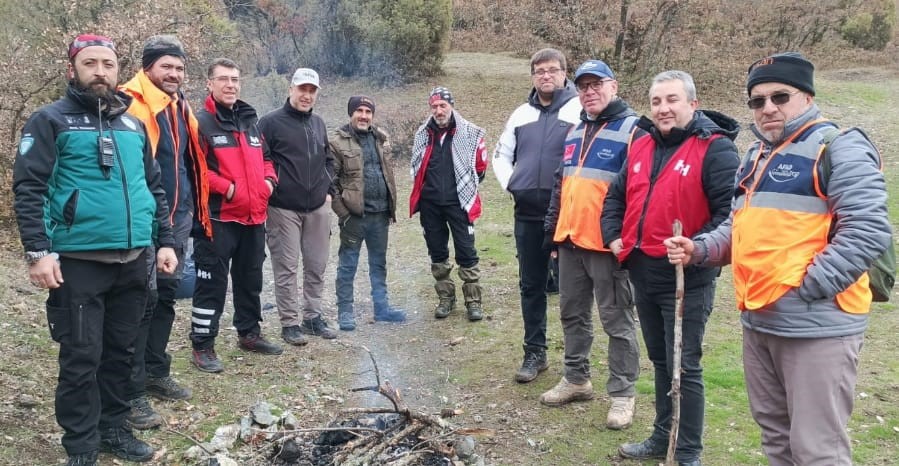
{"x":141,"y":89}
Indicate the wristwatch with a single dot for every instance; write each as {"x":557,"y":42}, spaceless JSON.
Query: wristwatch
{"x":32,"y":257}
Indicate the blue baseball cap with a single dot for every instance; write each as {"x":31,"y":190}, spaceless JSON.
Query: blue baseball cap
{"x":597,"y":68}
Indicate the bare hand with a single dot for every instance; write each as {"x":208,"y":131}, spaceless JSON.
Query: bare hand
{"x":680,"y":249}
{"x":230,"y":194}
{"x":616,"y":246}
{"x":328,"y":198}
{"x":271,"y":186}
{"x":46,"y":273}
{"x":166,"y":260}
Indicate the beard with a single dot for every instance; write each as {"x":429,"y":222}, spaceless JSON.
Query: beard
{"x":97,"y":89}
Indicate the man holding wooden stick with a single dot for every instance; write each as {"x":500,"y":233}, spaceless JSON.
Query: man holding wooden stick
{"x":810,"y":218}
{"x":682,"y":169}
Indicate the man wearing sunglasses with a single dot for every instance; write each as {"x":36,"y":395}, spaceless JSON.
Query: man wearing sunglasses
{"x":594,"y":152}
{"x":801,"y":237}
{"x":683,"y":169}
{"x":525,"y":160}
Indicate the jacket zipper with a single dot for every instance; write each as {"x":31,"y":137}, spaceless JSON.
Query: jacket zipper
{"x":127,"y":198}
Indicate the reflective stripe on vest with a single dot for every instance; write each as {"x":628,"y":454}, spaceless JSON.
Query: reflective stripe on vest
{"x":587,"y":172}
{"x":781,"y":221}
{"x":676,"y":193}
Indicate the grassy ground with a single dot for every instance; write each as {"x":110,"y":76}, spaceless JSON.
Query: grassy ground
{"x":453,"y":363}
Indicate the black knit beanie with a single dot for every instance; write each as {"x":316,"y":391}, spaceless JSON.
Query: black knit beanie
{"x":357,"y":101}
{"x":787,"y":68}
{"x":159,"y":46}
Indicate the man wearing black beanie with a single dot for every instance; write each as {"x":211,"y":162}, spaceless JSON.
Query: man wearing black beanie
{"x":365,"y":205}
{"x":172,"y":129}
{"x":809,"y":219}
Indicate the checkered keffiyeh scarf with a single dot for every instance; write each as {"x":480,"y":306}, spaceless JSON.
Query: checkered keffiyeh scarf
{"x":465,"y":147}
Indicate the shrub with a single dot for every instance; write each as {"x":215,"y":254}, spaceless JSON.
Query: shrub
{"x":870,"y":30}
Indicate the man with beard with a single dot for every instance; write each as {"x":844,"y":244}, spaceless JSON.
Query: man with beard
{"x":365,"y":203}
{"x":448,"y":162}
{"x":172,"y":129}
{"x":525,"y":161}
{"x":88,"y":197}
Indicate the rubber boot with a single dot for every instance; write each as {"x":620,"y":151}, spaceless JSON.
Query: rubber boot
{"x":445,"y":288}
{"x":471,"y":290}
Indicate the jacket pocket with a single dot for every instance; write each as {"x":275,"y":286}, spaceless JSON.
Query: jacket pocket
{"x":71,"y":206}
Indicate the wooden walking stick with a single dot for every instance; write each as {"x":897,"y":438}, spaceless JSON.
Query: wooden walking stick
{"x":678,"y":348}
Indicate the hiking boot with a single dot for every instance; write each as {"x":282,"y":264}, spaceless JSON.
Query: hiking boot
{"x":317,"y":327}
{"x":165,"y":388}
{"x":566,"y":392}
{"x":533,"y":364}
{"x":644,"y":450}
{"x":474,"y":311}
{"x":293,"y":336}
{"x":121,"y":442}
{"x":621,"y":413}
{"x":345,"y":320}
{"x":83,"y":459}
{"x":391,"y":314}
{"x":444,"y":307}
{"x":258,"y":344}
{"x":207,"y":361}
{"x":142,"y":416}
{"x":695,"y":462}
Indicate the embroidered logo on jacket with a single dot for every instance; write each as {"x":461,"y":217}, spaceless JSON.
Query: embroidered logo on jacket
{"x":783,"y":172}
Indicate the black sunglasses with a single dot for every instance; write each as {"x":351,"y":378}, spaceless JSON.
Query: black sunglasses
{"x":778,"y":98}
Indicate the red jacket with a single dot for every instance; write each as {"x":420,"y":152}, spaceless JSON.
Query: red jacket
{"x":236,"y":154}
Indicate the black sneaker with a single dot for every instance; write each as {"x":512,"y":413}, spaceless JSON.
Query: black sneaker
{"x":142,"y":416}
{"x":258,"y":344}
{"x":165,"y":388}
{"x":121,"y":442}
{"x":293,"y":335}
{"x":644,"y":450}
{"x":83,"y":459}
{"x":207,"y":361}
{"x":317,"y":327}
{"x":533,"y":364}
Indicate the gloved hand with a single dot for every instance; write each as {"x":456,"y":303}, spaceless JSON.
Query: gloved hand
{"x":350,"y":228}
{"x":548,"y":244}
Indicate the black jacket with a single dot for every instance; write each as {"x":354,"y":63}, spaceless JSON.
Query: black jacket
{"x":718,"y":169}
{"x":298,"y":143}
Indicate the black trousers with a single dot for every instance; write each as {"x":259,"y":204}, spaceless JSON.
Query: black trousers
{"x":94,"y":316}
{"x":532,"y":275}
{"x":438,"y":221}
{"x":239,"y":249}
{"x":656,"y":311}
{"x":150,"y":357}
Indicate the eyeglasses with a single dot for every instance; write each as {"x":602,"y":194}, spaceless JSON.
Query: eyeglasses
{"x":542,"y":73}
{"x":778,"y":98}
{"x":595,"y":85}
{"x":226,"y":79}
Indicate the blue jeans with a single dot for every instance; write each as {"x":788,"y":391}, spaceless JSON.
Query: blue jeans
{"x":372,"y":229}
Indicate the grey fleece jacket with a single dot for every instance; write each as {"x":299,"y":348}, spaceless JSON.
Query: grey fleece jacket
{"x":856,"y":195}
